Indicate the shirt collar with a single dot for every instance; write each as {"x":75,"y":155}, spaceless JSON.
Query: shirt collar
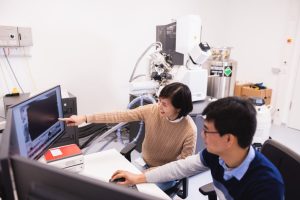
{"x":239,"y":171}
{"x":175,"y":120}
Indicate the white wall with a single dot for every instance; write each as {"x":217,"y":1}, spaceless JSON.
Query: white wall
{"x":90,"y":47}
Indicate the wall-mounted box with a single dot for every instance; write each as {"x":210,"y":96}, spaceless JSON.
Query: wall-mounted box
{"x":25,"y":37}
{"x":11,"y":36}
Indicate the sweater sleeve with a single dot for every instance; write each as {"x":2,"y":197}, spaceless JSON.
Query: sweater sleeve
{"x":176,"y":170}
{"x":136,"y":114}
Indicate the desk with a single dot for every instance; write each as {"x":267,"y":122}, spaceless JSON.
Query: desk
{"x":102,"y":165}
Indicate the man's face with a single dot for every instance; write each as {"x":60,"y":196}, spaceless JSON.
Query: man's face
{"x":214,"y":142}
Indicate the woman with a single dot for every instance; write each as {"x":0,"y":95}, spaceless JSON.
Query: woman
{"x":170,"y":134}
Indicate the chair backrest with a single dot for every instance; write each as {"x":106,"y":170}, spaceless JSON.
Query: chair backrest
{"x":288,"y":163}
{"x":199,"y":121}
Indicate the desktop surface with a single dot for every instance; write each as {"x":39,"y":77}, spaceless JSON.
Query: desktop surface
{"x":102,"y":165}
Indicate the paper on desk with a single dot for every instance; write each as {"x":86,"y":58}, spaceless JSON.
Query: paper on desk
{"x":55,"y":152}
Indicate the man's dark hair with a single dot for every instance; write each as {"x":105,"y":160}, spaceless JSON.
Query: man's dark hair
{"x":233,"y":115}
{"x":180,"y":96}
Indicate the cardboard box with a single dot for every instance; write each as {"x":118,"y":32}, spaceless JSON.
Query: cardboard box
{"x":265,"y":94}
{"x":238,"y":88}
{"x":243,"y":89}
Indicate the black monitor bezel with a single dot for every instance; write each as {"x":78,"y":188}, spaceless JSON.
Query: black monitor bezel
{"x":62,"y":184}
{"x":36,"y":157}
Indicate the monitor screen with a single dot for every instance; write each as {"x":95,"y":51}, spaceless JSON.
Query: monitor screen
{"x":36,"y":124}
{"x":166,"y":34}
{"x":48,"y":182}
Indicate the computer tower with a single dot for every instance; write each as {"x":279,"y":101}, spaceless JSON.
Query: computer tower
{"x":71,"y":132}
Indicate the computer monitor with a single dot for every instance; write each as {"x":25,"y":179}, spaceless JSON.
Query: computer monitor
{"x":35,"y":123}
{"x":36,"y":180}
{"x":6,"y":187}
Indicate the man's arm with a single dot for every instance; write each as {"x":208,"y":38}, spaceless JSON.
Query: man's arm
{"x":172,"y":171}
{"x":176,"y":170}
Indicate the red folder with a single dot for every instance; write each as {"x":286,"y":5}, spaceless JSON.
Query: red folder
{"x":62,"y":152}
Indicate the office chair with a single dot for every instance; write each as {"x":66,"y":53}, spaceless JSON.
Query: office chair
{"x":286,"y":161}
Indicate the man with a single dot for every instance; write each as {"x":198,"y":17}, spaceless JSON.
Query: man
{"x":238,"y":171}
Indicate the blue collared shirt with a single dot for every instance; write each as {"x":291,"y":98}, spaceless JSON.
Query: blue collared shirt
{"x":239,"y":171}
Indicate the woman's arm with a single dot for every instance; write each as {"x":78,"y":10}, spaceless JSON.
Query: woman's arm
{"x":136,"y":114}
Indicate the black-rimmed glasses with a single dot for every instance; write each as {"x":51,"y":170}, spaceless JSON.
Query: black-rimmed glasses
{"x":209,"y":132}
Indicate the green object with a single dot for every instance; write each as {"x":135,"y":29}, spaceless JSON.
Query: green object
{"x":227,"y":71}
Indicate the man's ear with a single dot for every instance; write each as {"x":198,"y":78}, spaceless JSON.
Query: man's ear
{"x":230,"y":139}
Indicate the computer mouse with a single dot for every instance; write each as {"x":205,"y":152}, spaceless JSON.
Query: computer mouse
{"x":122,"y":179}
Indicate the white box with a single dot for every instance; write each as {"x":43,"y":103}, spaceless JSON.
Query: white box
{"x":68,"y":162}
{"x":75,"y":168}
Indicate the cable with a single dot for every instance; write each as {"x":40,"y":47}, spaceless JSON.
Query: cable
{"x":200,"y":34}
{"x":12,"y":70}
{"x":111,"y":130}
{"x":95,"y":134}
{"x":6,"y":83}
{"x":30,"y":72}
{"x":107,"y":143}
{"x":137,"y":76}
{"x":89,"y":129}
{"x":157,"y":44}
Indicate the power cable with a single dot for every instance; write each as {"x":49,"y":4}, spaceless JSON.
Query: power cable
{"x":8,"y":62}
{"x":200,"y":34}
{"x":156,"y":44}
{"x":95,"y":134}
{"x":6,"y":83}
{"x":29,"y":68}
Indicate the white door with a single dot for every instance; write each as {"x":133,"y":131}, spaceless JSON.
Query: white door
{"x":294,"y":113}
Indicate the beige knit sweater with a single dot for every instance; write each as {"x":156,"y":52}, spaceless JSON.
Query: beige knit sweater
{"x":164,"y":141}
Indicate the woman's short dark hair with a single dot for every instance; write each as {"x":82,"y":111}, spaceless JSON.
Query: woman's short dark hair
{"x":233,"y":115}
{"x":180,"y":96}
